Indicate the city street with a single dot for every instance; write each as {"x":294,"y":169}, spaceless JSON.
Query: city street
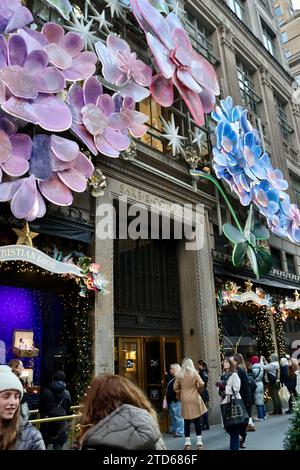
{"x":269,"y":435}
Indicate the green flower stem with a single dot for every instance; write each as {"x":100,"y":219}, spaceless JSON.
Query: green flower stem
{"x":202,"y":174}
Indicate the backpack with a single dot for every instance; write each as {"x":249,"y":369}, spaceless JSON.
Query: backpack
{"x":57,"y":410}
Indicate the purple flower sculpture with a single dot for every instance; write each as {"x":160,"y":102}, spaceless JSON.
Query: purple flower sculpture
{"x":178,"y":64}
{"x":56,"y":168}
{"x":240,"y":161}
{"x":15,"y":150}
{"x":28,"y":86}
{"x":13,"y":15}
{"x":100,"y":121}
{"x":64,"y":51}
{"x":121,"y":67}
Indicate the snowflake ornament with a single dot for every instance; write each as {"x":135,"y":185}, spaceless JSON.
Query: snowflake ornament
{"x":100,"y":18}
{"x":171,"y":134}
{"x":116,"y":8}
{"x":83,"y":29}
{"x":177,"y":6}
{"x":199,"y":138}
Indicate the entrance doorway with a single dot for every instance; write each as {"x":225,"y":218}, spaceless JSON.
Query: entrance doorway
{"x":144,"y":360}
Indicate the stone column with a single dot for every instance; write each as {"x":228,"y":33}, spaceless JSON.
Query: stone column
{"x":199,"y":315}
{"x":230,"y":83}
{"x":104,"y":304}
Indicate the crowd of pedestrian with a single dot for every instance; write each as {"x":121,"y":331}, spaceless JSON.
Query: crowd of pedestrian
{"x":116,"y":414}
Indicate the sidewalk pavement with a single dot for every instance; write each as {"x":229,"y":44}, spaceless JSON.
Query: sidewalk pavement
{"x":269,"y":435}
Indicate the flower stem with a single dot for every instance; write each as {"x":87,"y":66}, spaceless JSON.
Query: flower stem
{"x":203,"y":174}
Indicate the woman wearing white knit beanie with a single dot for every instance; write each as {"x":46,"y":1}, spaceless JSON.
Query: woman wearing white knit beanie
{"x":15,"y":434}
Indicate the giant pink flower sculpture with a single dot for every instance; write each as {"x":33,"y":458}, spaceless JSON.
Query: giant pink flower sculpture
{"x":28,"y":86}
{"x":121,"y":67}
{"x":56,"y":168}
{"x":64,"y":51}
{"x":100,"y":122}
{"x":13,"y":15}
{"x":179,"y":64}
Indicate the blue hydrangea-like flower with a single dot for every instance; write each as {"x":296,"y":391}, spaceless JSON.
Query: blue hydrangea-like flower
{"x":240,"y":161}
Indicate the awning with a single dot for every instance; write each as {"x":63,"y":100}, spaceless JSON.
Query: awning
{"x":264,"y":280}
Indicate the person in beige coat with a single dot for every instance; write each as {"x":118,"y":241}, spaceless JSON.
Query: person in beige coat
{"x":188,"y":387}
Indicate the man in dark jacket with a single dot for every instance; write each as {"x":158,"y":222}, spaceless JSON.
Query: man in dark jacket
{"x":55,"y":401}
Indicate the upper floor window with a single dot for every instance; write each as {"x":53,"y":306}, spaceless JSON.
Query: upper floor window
{"x":290,"y":263}
{"x":276,"y":259}
{"x":296,"y":188}
{"x":199,"y":38}
{"x":284,"y":37}
{"x":285,"y":128}
{"x":269,"y":40}
{"x":238,"y":7}
{"x":247,"y":89}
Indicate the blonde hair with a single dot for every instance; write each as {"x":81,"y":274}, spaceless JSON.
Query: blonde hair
{"x":176,"y":368}
{"x":187,"y":368}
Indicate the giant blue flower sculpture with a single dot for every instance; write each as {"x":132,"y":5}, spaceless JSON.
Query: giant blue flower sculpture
{"x":241,"y":162}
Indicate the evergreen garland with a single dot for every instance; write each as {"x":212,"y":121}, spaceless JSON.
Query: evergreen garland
{"x":77,"y":334}
{"x":265,"y":343}
{"x":292,"y":437}
{"x":279,"y":334}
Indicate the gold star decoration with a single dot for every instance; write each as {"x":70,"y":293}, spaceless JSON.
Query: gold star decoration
{"x":296,"y":294}
{"x":25,"y":236}
{"x":248,"y":285}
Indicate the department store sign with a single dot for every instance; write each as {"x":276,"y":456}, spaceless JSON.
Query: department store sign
{"x":38,"y":258}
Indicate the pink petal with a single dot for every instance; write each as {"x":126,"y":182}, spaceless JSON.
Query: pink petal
{"x":50,"y":80}
{"x":92,"y":89}
{"x":8,"y":190}
{"x":93,"y":119}
{"x":161,"y":55}
{"x":5,"y":147}
{"x":173,"y":21}
{"x":116,"y":139}
{"x":181,"y":40}
{"x":21,"y":109}
{"x":204,"y":73}
{"x":106,"y":104}
{"x":80,"y":131}
{"x":25,"y":199}
{"x":21,"y":146}
{"x":84,"y":165}
{"x":182,"y":57}
{"x":132,"y":89}
{"x":153,"y":21}
{"x":105,"y":148}
{"x":186,"y":78}
{"x":119,"y":121}
{"x":15,"y":166}
{"x":39,"y":209}
{"x":3,"y":52}
{"x":138,"y":130}
{"x":143,"y":74}
{"x":110,"y":69}
{"x":59,"y":165}
{"x":20,"y":17}
{"x":73,"y":44}
{"x":162,"y":90}
{"x":34,"y":39}
{"x":17,"y":50}
{"x":83,"y":66}
{"x":1,"y":174}
{"x":75,"y":102}
{"x":3,"y":90}
{"x":19,"y":82}
{"x":58,"y":56}
{"x":192,"y":100}
{"x":56,"y":192}
{"x":36,"y":62}
{"x":53,"y":32}
{"x":208,"y":101}
{"x":73,"y":179}
{"x":52,"y":113}
{"x":117,"y":45}
{"x":64,"y":149}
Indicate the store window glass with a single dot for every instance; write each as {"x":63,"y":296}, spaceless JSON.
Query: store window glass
{"x":291,"y":330}
{"x":239,"y":332}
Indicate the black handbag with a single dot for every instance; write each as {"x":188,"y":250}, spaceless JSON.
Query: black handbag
{"x":234,"y":413}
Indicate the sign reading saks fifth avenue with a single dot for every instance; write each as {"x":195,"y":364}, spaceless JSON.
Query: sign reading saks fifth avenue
{"x":37,"y":257}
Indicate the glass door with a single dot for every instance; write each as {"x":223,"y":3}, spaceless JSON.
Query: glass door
{"x":128,"y":360}
{"x":155,"y":366}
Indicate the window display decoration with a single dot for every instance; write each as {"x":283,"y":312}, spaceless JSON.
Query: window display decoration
{"x":91,"y":278}
{"x":290,"y":307}
{"x":13,"y":15}
{"x":232,"y":293}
